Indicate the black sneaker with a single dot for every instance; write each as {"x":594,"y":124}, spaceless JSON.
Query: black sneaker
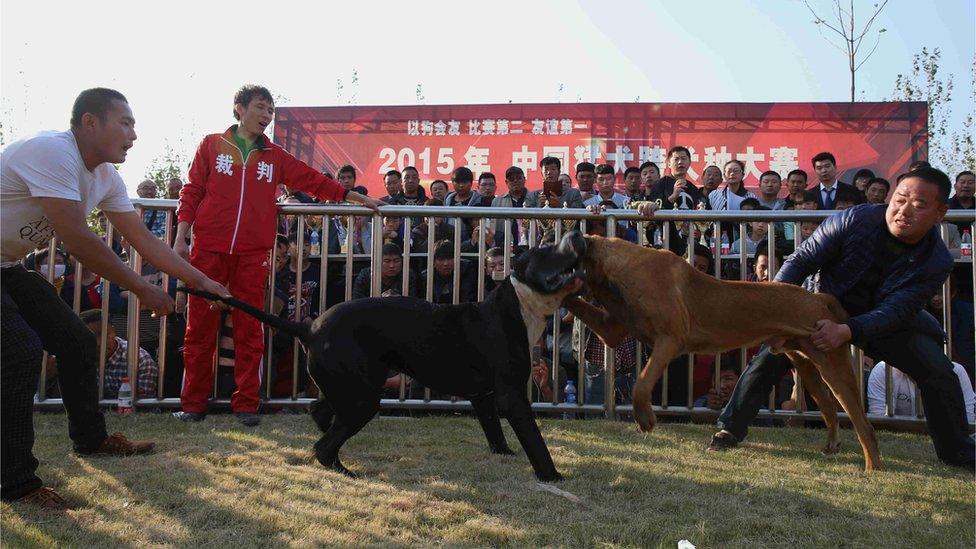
{"x":248,"y":419}
{"x":190,"y":416}
{"x":722,"y":441}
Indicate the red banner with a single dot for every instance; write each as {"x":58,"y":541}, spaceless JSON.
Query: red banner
{"x":884,"y":137}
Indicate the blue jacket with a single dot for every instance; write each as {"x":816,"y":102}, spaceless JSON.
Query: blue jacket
{"x":841,"y":251}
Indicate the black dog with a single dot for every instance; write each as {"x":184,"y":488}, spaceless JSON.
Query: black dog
{"x":475,"y":350}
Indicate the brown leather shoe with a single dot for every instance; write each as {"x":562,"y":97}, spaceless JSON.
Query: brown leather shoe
{"x":117,"y":445}
{"x":46,"y":498}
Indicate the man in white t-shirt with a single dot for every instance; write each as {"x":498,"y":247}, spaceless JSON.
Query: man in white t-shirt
{"x":48,"y":185}
{"x":903,"y":391}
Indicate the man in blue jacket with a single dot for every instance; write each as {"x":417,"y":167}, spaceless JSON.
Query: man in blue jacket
{"x":884,"y":263}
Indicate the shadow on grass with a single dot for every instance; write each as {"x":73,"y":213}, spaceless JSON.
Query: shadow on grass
{"x":433,"y":480}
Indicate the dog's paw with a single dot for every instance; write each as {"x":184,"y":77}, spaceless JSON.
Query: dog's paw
{"x":645,"y":420}
{"x":340,"y":468}
{"x":553,"y":476}
{"x":503,"y":451}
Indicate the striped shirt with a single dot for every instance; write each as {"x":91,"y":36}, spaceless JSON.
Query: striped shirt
{"x":117,"y":367}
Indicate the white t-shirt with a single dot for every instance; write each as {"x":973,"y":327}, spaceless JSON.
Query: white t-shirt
{"x":903,"y":391}
{"x":724,"y":199}
{"x":620,"y":200}
{"x":49,"y":165}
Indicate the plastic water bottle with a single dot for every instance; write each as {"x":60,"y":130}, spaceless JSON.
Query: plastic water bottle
{"x":569,"y":396}
{"x":314,"y":242}
{"x":725,"y":243}
{"x":966,"y":247}
{"x":570,"y":390}
{"x":125,"y":396}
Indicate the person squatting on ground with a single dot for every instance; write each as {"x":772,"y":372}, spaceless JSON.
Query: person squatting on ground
{"x":49,"y":183}
{"x":884,"y":263}
{"x":229,"y":202}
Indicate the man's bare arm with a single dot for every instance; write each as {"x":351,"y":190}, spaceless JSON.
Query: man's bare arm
{"x":156,"y":252}
{"x":69,"y":223}
{"x":68,"y":219}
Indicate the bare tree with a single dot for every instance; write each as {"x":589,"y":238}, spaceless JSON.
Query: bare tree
{"x":951,"y":150}
{"x":852,"y":38}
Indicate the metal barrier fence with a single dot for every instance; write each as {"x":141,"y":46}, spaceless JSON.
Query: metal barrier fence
{"x":519,"y":226}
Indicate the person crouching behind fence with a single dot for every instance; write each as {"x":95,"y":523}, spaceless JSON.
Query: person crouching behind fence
{"x":117,"y":360}
{"x":229,"y":201}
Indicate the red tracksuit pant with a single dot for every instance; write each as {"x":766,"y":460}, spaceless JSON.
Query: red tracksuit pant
{"x":246,"y":277}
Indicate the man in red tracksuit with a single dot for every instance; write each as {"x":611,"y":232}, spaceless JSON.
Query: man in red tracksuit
{"x":229,"y":202}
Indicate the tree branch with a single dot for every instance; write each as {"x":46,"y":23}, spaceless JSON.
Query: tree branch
{"x":821,"y":21}
{"x":867,"y":26}
{"x":868,"y":56}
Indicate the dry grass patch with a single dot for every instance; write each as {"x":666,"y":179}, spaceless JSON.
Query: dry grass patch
{"x":432,"y":481}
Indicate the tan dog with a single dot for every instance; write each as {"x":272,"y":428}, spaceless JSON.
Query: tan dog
{"x":663,"y":301}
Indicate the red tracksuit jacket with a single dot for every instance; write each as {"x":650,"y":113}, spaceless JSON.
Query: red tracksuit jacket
{"x":230,"y":200}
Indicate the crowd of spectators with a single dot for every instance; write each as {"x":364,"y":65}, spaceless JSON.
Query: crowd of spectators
{"x":436,"y":251}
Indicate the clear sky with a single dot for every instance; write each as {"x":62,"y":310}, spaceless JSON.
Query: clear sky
{"x":179,"y":62}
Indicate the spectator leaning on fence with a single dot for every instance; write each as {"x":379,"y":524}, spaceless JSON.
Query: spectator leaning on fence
{"x":173,"y":187}
{"x":229,"y":202}
{"x":346,"y":176}
{"x":877,"y":191}
{"x":565,"y":180}
{"x":553,"y":188}
{"x":486,"y":189}
{"x":796,"y":186}
{"x":393,"y":181}
{"x":48,"y":185}
{"x":676,"y":192}
{"x":734,"y":192}
{"x":711,"y":178}
{"x":862,"y":178}
{"x":605,"y":177}
{"x":585,"y":179}
{"x":883,"y":264}
{"x":438,"y":190}
{"x":830,"y":188}
{"x":155,"y":220}
{"x":965,"y":188}
{"x":632,"y":183}
{"x":770,"y":184}
{"x":514,"y":198}
{"x":650,"y":173}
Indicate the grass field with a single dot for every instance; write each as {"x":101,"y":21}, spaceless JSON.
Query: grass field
{"x":432,"y":481}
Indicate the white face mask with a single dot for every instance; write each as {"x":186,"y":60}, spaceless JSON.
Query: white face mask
{"x":58,"y":270}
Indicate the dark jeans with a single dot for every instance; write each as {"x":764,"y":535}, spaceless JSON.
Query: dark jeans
{"x":595,"y":387}
{"x":35,"y":319}
{"x":918,"y":355}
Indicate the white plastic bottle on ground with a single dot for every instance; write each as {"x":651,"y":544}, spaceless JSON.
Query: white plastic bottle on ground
{"x":125,"y":396}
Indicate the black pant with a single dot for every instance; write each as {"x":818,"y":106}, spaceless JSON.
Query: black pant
{"x":35,"y":319}
{"x":918,"y":355}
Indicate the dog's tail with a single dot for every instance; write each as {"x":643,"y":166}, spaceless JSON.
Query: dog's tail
{"x":295,"y":329}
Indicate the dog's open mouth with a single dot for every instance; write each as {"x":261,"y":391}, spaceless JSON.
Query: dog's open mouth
{"x":554,"y":268}
{"x":559,"y":281}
